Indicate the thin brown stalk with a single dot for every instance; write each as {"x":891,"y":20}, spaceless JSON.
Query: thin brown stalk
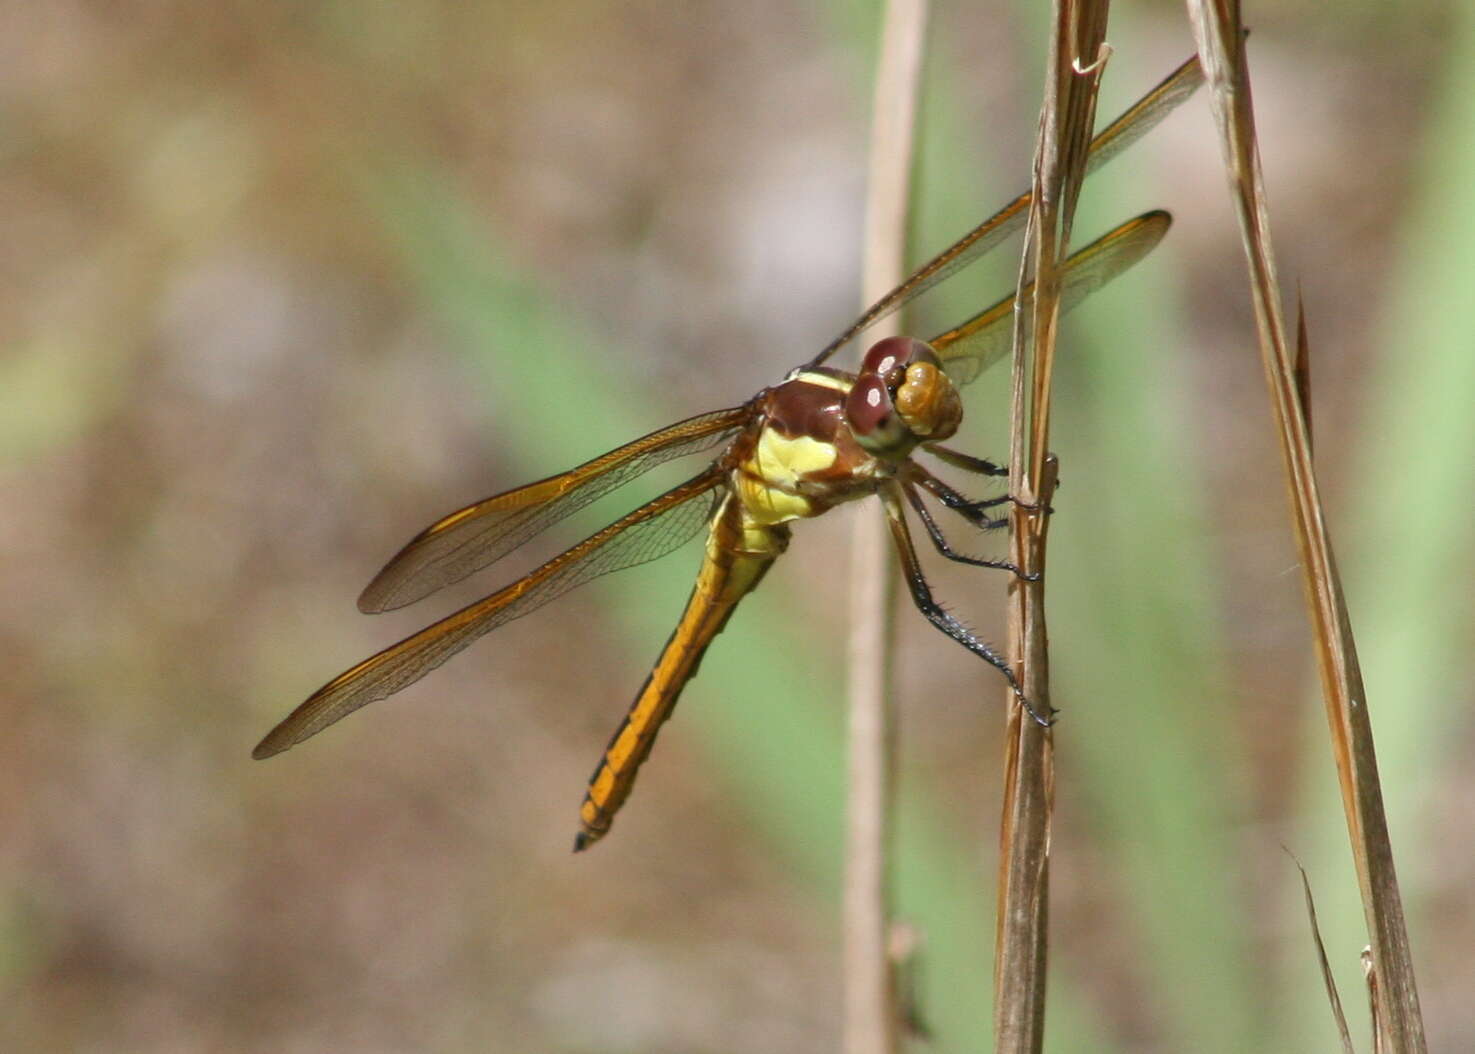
{"x":1302,"y":370}
{"x":1221,"y":46}
{"x":1076,"y":59}
{"x":1333,"y":999}
{"x":872,"y":1019}
{"x":1370,"y":979}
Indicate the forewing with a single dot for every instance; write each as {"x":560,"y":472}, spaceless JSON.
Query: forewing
{"x":969,"y":349}
{"x":652,"y":530}
{"x":1141,"y":118}
{"x":478,"y":535}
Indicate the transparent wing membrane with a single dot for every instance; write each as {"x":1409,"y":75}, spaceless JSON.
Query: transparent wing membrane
{"x":479,"y":535}
{"x":1145,"y":115}
{"x":651,"y":531}
{"x":969,"y":349}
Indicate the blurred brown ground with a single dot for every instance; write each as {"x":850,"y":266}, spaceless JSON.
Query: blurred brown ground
{"x":234,"y":410}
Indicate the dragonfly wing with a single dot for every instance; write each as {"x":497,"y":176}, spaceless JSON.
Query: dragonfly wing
{"x":652,"y":530}
{"x":474,"y":537}
{"x":1145,"y":115}
{"x":969,"y":349}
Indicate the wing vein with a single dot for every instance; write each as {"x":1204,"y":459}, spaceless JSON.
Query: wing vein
{"x":477,"y":536}
{"x":654,"y":529}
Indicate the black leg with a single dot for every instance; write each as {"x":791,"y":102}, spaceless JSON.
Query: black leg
{"x":940,"y":540}
{"x":933,"y":612}
{"x":972,"y":511}
{"x":967,"y":462}
{"x":953,"y":500}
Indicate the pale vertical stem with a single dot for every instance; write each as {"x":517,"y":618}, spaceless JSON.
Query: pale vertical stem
{"x":871,"y":1015}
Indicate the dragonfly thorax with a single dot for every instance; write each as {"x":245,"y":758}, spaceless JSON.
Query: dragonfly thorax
{"x":901,"y":397}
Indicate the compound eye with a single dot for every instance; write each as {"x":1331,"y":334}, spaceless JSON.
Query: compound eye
{"x":872,"y":416}
{"x":893,"y":353}
{"x":883,"y":357}
{"x":921,"y":351}
{"x":868,"y":406}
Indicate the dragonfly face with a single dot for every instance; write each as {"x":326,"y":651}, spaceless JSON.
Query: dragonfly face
{"x":819,"y":438}
{"x":902,"y":397}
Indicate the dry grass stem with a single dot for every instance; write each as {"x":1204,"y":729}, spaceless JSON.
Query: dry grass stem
{"x":1302,"y":370}
{"x":1333,"y":999}
{"x":1219,"y":34}
{"x":1370,"y":978}
{"x":872,"y":1020}
{"x":1066,"y":120}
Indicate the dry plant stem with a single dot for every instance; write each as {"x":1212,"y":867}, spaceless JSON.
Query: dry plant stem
{"x":1302,"y":370}
{"x":1399,"y":1025}
{"x":872,"y":1020}
{"x":1333,"y":999}
{"x":1370,"y":978}
{"x":1077,"y":61}
{"x":1022,"y":927}
{"x":1066,"y":119}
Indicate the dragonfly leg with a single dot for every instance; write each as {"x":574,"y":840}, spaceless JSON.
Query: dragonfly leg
{"x":969,"y":509}
{"x":982,"y":466}
{"x":940,"y":540}
{"x":934,"y":612}
{"x":967,"y":462}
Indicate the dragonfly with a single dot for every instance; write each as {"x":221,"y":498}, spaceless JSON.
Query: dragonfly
{"x":819,"y":438}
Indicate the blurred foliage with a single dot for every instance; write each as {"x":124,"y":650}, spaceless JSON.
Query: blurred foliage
{"x":283,"y":282}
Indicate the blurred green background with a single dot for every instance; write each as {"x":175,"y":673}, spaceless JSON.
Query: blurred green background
{"x":282,"y":282}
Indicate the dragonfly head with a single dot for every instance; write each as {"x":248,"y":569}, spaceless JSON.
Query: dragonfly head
{"x":901,"y":397}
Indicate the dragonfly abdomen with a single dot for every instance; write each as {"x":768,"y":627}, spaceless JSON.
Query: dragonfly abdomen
{"x":738,"y":553}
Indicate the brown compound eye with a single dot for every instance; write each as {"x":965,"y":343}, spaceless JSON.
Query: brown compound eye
{"x":888,"y":356}
{"x":868,"y":407}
